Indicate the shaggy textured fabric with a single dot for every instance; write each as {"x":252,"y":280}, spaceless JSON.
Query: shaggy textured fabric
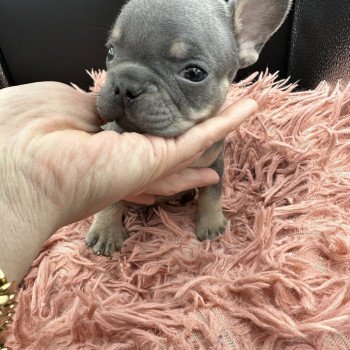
{"x":279,"y":278}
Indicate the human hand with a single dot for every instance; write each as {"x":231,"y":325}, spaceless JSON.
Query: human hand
{"x":50,"y":134}
{"x":56,"y":166}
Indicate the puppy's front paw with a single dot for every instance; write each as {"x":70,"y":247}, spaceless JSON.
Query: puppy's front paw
{"x":106,"y":240}
{"x":211,"y":226}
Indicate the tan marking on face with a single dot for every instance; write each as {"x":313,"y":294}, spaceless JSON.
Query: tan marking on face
{"x":198,"y":115}
{"x":225,"y":86}
{"x":116,"y":34}
{"x":178,"y":49}
{"x":202,"y":114}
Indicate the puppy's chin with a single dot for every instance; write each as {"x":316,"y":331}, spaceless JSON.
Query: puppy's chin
{"x":145,"y":118}
{"x":152,"y":124}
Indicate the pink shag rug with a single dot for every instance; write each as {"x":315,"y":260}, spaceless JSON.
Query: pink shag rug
{"x":278,"y":279}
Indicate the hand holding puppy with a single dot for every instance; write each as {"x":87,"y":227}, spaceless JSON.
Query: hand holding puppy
{"x":56,"y":166}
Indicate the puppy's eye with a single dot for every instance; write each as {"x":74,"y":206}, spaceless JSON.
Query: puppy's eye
{"x":110,"y":54}
{"x":194,"y":74}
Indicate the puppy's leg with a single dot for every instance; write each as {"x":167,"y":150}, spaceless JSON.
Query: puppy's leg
{"x":212,"y":221}
{"x":107,"y":232}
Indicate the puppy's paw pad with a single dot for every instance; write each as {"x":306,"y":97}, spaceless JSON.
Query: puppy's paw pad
{"x":211,"y":227}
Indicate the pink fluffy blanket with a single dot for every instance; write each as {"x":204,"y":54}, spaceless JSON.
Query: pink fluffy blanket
{"x":279,"y":278}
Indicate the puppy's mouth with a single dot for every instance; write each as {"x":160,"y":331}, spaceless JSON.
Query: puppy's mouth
{"x":152,"y":124}
{"x":148,"y":114}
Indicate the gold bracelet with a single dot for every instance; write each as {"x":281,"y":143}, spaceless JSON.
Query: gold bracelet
{"x":7,"y":305}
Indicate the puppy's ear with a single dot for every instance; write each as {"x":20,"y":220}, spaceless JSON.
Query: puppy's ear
{"x":254,"y":22}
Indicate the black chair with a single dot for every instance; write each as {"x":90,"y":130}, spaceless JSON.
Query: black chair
{"x":58,"y":40}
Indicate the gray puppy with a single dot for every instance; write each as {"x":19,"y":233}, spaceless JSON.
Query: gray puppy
{"x":169,"y":67}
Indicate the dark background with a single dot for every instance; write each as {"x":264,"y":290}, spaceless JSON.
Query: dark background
{"x":59,"y":39}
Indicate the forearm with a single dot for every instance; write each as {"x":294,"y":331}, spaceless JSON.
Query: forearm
{"x":26,"y":220}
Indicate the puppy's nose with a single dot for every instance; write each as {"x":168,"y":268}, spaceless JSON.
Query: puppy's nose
{"x":128,"y":93}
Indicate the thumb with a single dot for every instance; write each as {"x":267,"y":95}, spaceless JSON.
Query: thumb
{"x":204,"y":135}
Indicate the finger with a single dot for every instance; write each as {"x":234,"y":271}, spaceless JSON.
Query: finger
{"x":144,"y":198}
{"x":63,"y":98}
{"x":186,"y":164}
{"x":184,"y":180}
{"x":51,"y":106}
{"x":92,"y":116}
{"x":204,"y":135}
{"x":80,"y":111}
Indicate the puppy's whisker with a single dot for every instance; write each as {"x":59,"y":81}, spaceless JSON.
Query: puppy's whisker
{"x":105,"y":30}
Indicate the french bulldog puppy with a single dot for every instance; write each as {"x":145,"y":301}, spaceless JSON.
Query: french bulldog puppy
{"x":169,"y":66}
